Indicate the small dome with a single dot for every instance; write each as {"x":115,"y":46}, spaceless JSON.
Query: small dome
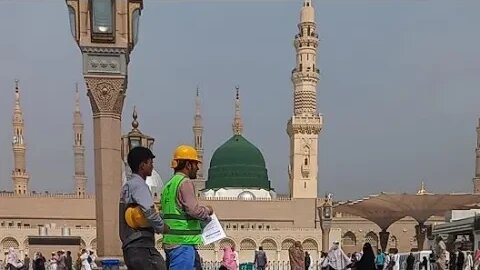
{"x":155,"y":183}
{"x":246,"y":195}
{"x":237,"y":163}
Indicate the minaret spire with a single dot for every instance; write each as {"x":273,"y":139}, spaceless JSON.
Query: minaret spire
{"x":476,"y":179}
{"x":237,"y":125}
{"x":80,"y":178}
{"x":198,"y":141}
{"x":17,"y":98}
{"x":77,"y":98}
{"x":19,"y":174}
{"x":305,"y":125}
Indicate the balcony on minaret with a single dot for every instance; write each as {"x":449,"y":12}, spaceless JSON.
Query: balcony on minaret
{"x":305,"y":73}
{"x":307,"y":123}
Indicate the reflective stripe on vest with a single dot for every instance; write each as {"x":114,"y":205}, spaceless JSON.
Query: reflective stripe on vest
{"x":184,"y":230}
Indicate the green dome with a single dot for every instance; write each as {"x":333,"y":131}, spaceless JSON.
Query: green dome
{"x":237,"y":164}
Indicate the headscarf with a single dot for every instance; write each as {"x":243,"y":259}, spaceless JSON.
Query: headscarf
{"x":12,"y":258}
{"x":229,"y":258}
{"x":297,"y":256}
{"x":336,"y":258}
{"x":367,"y":262}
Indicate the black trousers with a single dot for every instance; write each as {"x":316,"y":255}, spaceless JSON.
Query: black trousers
{"x":143,"y":259}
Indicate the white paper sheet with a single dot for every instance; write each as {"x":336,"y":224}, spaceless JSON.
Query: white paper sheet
{"x":213,"y":231}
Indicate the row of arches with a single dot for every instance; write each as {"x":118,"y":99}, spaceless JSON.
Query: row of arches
{"x":349,"y":239}
{"x":250,"y":244}
{"x":11,"y":242}
{"x":275,"y":250}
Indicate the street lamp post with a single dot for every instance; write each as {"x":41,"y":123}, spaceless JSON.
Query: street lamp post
{"x":135,"y":138}
{"x":106,"y":31}
{"x":325,"y":212}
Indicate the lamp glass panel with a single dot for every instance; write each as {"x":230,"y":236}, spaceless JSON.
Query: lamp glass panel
{"x":73,"y":21}
{"x":135,"y":25}
{"x":102,"y":16}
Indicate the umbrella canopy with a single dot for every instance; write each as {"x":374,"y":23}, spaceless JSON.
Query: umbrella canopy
{"x":386,"y":208}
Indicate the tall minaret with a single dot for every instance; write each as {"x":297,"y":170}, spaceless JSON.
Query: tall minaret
{"x":305,"y":125}
{"x":237,"y":125}
{"x":476,"y":179}
{"x":198,"y":142}
{"x":78,"y":148}
{"x":19,"y":175}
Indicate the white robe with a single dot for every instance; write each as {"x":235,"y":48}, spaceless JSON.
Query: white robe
{"x":396,"y":258}
{"x":85,"y":264}
{"x":12,"y":258}
{"x":468,"y":262}
{"x":336,"y":259}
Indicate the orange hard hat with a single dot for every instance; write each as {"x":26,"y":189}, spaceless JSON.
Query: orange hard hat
{"x":135,"y":218}
{"x":184,"y":152}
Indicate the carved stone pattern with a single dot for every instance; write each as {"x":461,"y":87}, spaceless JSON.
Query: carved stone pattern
{"x":104,"y":50}
{"x":106,"y":95}
{"x":305,"y":76}
{"x":306,"y":129}
{"x":103,"y":63}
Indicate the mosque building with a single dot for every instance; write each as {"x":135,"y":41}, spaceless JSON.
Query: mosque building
{"x":237,"y":184}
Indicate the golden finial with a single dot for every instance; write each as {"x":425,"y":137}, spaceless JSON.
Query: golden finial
{"x":135,"y":122}
{"x":237,"y":125}
{"x":422,"y":189}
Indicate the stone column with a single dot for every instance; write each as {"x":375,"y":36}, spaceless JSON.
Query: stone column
{"x":325,"y":238}
{"x":420,"y":231}
{"x":106,"y":97}
{"x":384,"y":235}
{"x":325,"y":213}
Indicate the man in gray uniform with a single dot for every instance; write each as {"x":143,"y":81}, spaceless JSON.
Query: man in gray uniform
{"x":138,"y":244}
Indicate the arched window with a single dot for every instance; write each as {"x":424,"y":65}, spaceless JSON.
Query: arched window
{"x":269,"y":244}
{"x":372,"y":238}
{"x":226,"y":243}
{"x":393,"y":242}
{"x":310,"y":244}
{"x":10,"y":242}
{"x":349,"y":239}
{"x":287,"y":243}
{"x":248,"y":244}
{"x":93,"y":244}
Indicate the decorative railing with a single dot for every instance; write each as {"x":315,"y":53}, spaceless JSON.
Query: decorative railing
{"x":272,"y":265}
{"x":46,"y":195}
{"x":237,"y":199}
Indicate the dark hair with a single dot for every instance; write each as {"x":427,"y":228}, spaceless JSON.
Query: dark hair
{"x":260,"y":248}
{"x":138,"y":155}
{"x":181,"y":164}
{"x":69,"y":252}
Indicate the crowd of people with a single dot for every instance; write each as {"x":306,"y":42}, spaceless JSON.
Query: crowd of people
{"x":59,"y":260}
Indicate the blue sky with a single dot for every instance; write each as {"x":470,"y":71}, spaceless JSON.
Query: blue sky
{"x":399,"y":87}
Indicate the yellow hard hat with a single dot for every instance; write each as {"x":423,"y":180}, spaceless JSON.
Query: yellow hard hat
{"x":184,"y":152}
{"x":135,"y":218}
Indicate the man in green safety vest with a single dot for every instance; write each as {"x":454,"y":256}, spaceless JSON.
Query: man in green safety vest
{"x":181,"y":211}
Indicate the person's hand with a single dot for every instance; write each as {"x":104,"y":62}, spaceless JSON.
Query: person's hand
{"x":211,"y":209}
{"x":166,"y":229}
